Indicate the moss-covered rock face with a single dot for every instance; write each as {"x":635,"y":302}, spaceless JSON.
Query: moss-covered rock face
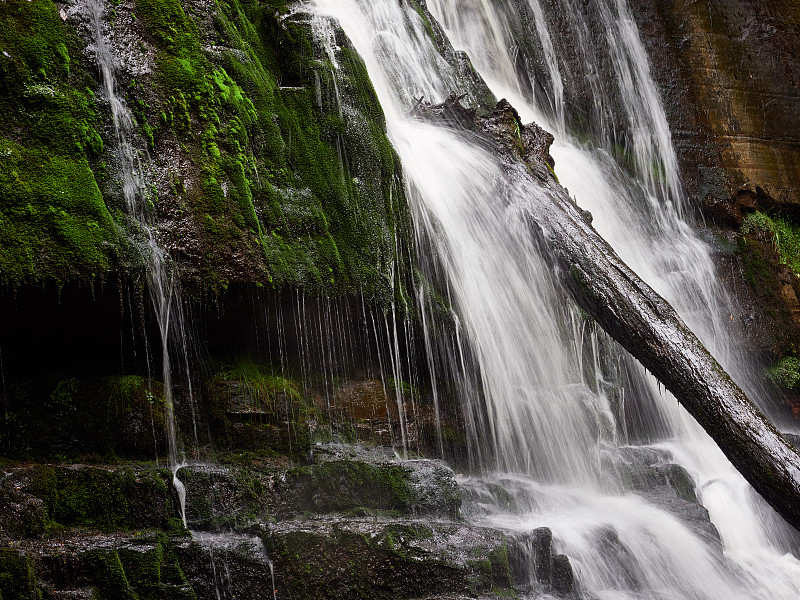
{"x":412,"y":560}
{"x":18,"y":576}
{"x":54,"y":222}
{"x":266,"y":153}
{"x":46,"y":500}
{"x":270,"y":157}
{"x":240,"y":496}
{"x":369,"y":526}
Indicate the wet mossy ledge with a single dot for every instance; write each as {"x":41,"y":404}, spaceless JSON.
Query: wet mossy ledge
{"x":265,"y":153}
{"x":99,"y":532}
{"x":354,"y":521}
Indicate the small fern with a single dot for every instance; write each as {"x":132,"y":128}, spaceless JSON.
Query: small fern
{"x":784,"y":234}
{"x":786,"y":373}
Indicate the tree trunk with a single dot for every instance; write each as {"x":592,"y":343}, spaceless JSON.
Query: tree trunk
{"x":630,"y":311}
{"x":649,"y":328}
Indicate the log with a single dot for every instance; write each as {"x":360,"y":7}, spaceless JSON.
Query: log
{"x":649,"y":328}
{"x":639,"y":319}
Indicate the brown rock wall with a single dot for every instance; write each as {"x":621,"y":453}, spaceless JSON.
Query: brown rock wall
{"x":730,"y":74}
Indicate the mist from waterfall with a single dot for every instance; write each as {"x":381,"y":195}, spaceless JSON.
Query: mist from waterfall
{"x":549,"y":395}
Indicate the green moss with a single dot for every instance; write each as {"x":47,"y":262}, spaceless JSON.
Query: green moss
{"x":782,"y":231}
{"x":501,"y":570}
{"x":260,"y":384}
{"x":253,"y":407}
{"x":172,"y":29}
{"x":108,"y":574}
{"x":424,"y":18}
{"x":54,"y":224}
{"x":33,"y":42}
{"x":53,"y":221}
{"x":342,"y":485}
{"x":18,"y":576}
{"x":785,"y":373}
{"x":143,"y":567}
{"x":99,"y":498}
{"x":504,"y":593}
{"x":309,"y":199}
{"x":153,"y":571}
{"x":304,"y":190}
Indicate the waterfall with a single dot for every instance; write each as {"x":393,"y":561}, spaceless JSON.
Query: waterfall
{"x":545,"y":405}
{"x":162,"y":284}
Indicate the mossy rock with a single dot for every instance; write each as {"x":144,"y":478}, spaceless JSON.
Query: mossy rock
{"x":355,"y":486}
{"x":54,"y":223}
{"x":387,"y":561}
{"x":108,"y":500}
{"x":281,"y":174}
{"x":254,"y":408}
{"x":106,"y":570}
{"x":18,"y":576}
{"x":154,"y":572}
{"x":303,"y":190}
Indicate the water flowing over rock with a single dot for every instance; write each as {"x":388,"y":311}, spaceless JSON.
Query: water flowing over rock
{"x":633,"y":314}
{"x":291,"y":306}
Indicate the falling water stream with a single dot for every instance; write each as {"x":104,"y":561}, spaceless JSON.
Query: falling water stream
{"x":162,"y":285}
{"x":551,"y":417}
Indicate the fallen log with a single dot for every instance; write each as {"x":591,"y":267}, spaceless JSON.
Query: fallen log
{"x":636,"y":316}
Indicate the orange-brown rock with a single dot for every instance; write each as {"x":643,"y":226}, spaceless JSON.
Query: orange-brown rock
{"x":730,"y":76}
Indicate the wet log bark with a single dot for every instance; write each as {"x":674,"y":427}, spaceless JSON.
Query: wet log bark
{"x":642,"y":321}
{"x":649,"y":328}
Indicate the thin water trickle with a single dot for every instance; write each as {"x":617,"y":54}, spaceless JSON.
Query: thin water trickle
{"x":248,"y":549}
{"x":536,"y":384}
{"x":162,"y":284}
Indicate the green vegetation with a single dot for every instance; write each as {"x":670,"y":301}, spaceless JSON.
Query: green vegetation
{"x":255,"y":409}
{"x":342,"y":485}
{"x":143,"y":568}
{"x":108,"y":500}
{"x":282,"y":184}
{"x":54,"y":223}
{"x":782,"y":231}
{"x":147,"y":572}
{"x":785,"y":373}
{"x":261,"y":386}
{"x":426,"y":23}
{"x":305,"y":191}
{"x":17,"y":576}
{"x":393,"y":561}
{"x":107,"y":571}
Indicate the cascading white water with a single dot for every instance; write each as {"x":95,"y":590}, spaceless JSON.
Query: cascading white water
{"x":162,"y":286}
{"x":547,"y":422}
{"x":645,"y":214}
